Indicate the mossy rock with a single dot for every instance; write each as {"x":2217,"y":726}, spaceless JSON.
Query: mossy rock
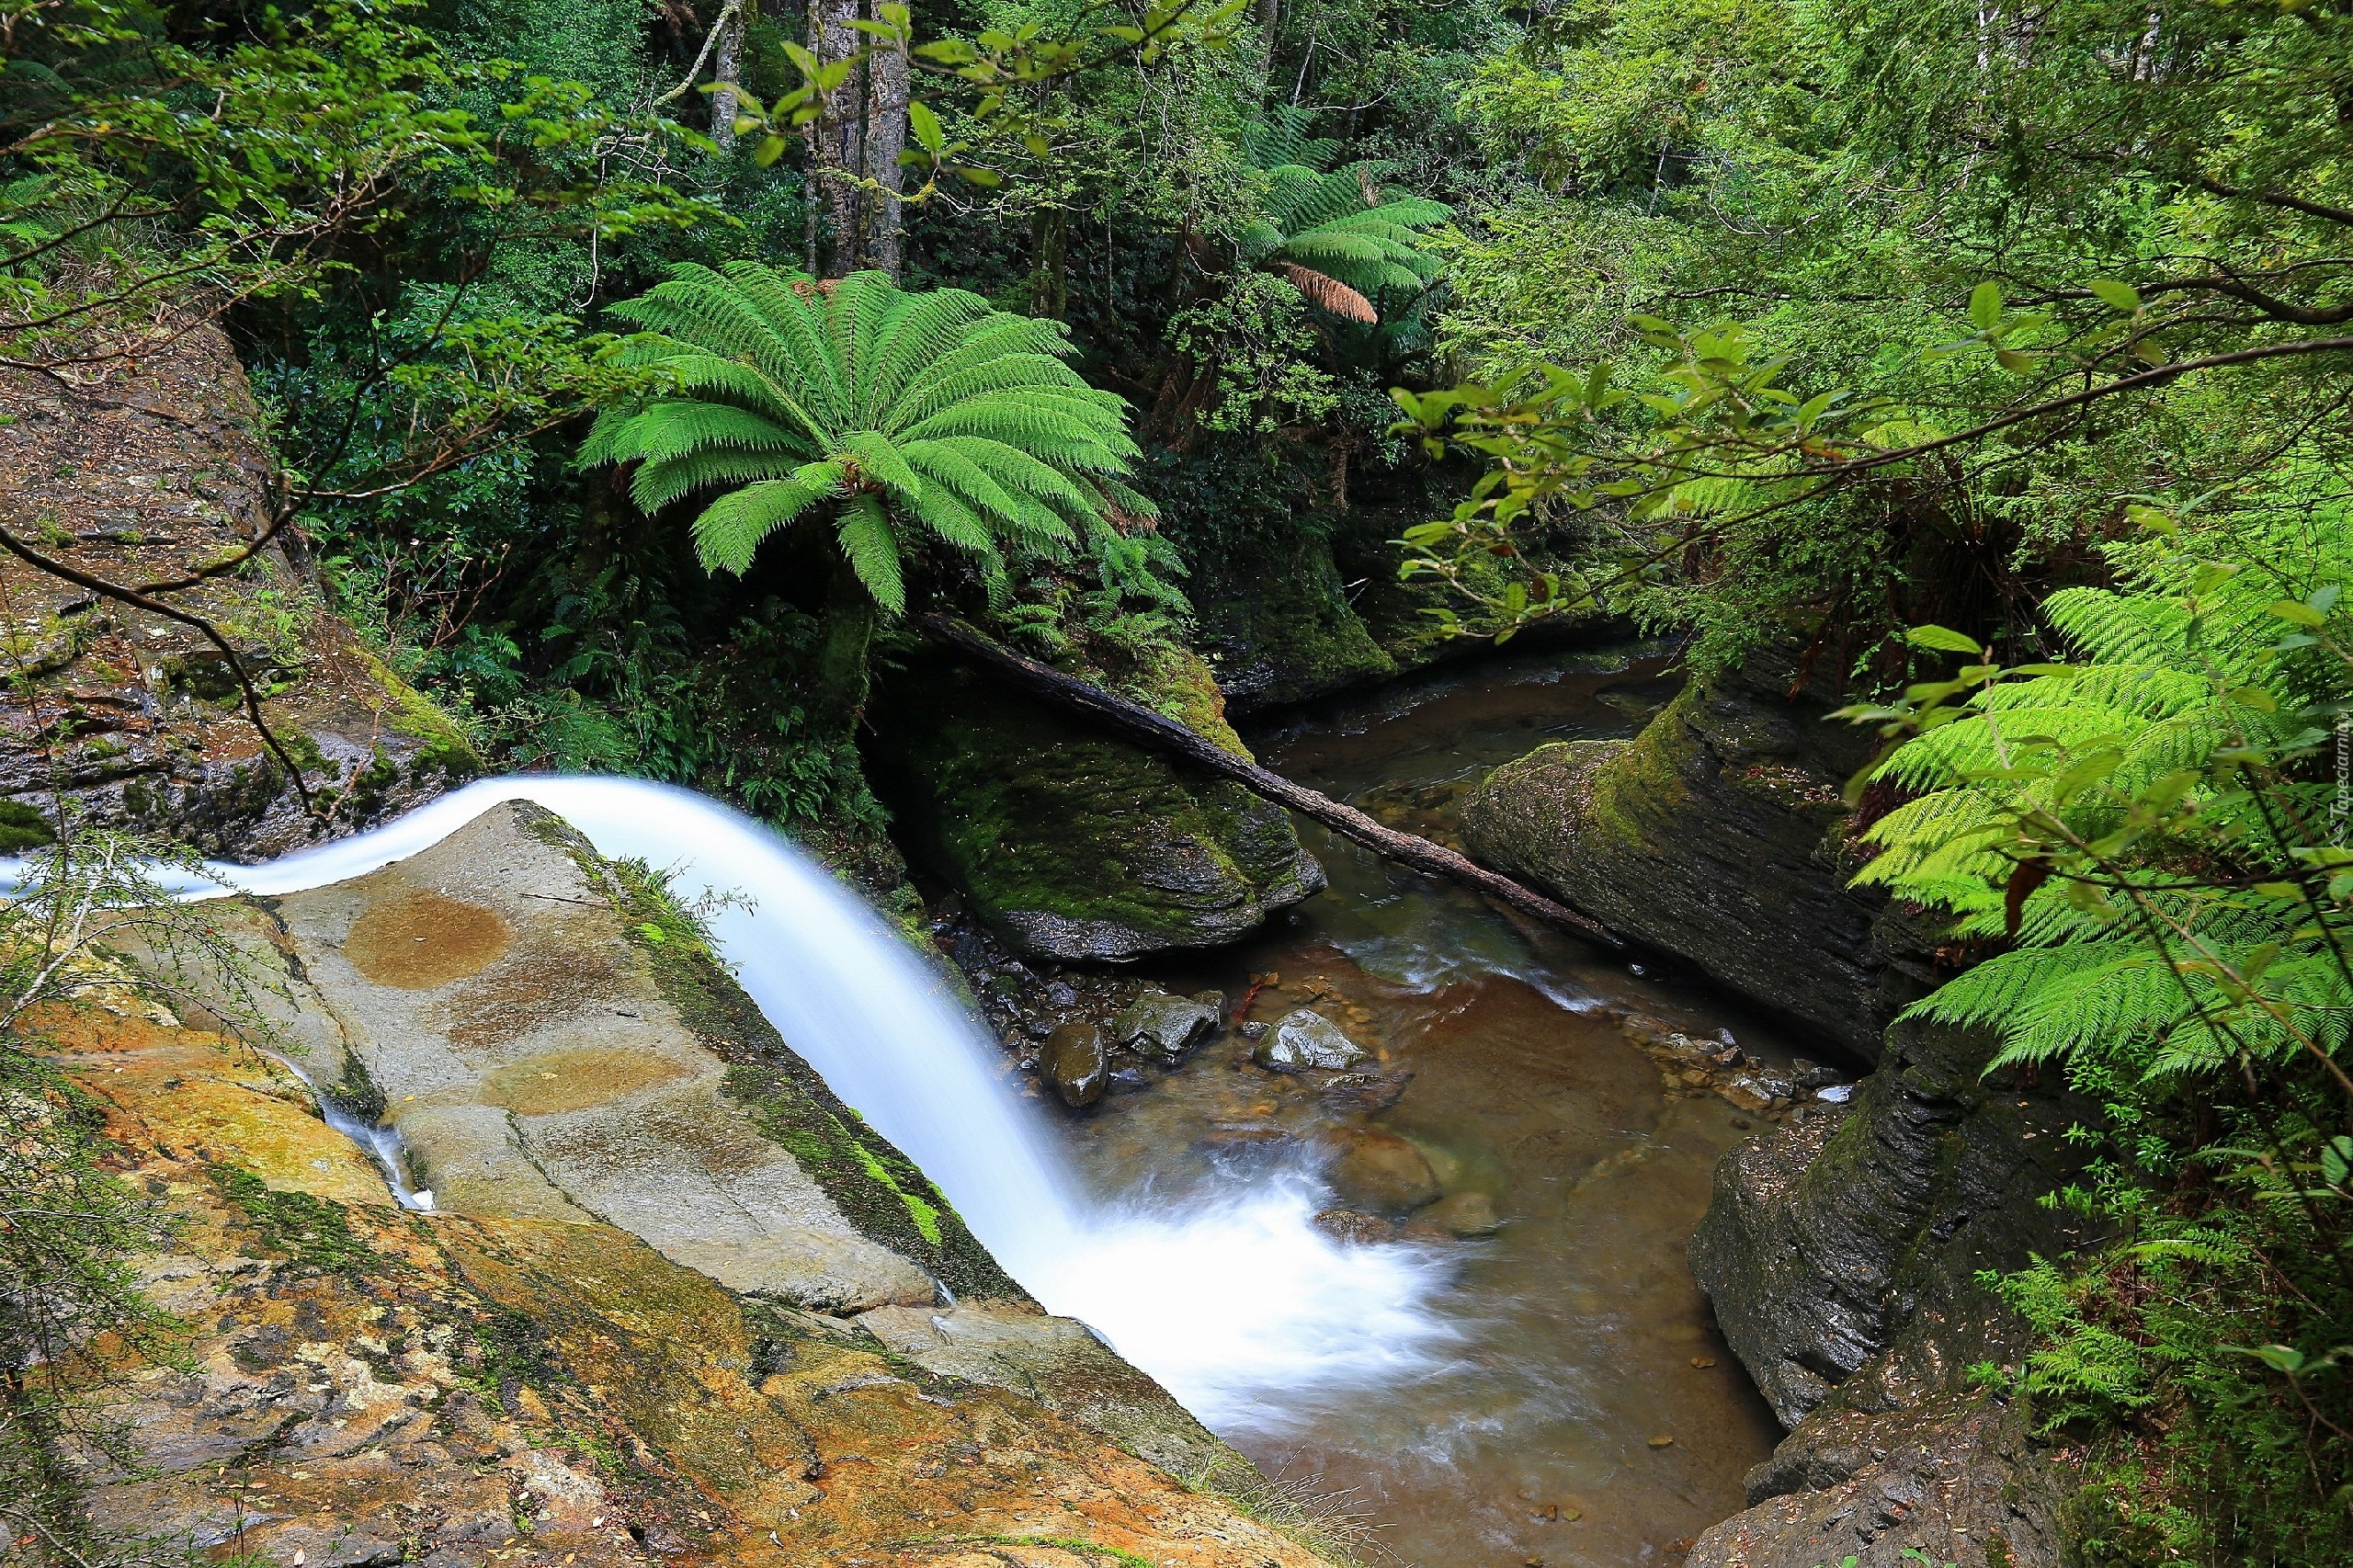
{"x":1078,"y":846}
{"x":1718,"y":834}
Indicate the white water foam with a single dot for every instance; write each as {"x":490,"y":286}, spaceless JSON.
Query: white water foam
{"x":1234,"y":1301}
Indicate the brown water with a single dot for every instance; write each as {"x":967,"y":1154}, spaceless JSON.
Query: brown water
{"x":1584,"y":1411}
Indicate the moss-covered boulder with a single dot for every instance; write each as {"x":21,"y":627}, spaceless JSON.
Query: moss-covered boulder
{"x":1078,"y":846}
{"x":1718,"y":834}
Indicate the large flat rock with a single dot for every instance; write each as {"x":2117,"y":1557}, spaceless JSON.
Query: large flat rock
{"x":554,"y":1045}
{"x":512,"y":1022}
{"x":355,"y":1387}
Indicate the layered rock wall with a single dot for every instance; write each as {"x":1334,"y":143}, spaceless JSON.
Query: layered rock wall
{"x":1842,"y":1254}
{"x":1718,"y":834}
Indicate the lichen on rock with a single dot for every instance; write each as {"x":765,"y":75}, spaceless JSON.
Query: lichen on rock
{"x":138,"y":720}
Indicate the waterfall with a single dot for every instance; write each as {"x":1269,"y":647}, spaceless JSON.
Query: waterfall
{"x":1234,"y":1301}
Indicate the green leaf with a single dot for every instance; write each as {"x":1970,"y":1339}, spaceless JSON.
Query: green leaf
{"x":925,"y":125}
{"x":2278,"y":1357}
{"x":1985,"y":306}
{"x":2298,"y":612}
{"x":1941,"y":639}
{"x":2117,"y":296}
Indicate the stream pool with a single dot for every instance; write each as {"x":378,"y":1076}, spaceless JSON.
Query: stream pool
{"x":1576,"y":1407}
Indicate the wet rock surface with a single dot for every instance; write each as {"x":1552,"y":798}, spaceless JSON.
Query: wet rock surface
{"x":1303,"y":1040}
{"x":1163,"y":1026}
{"x":138,"y":720}
{"x":1841,"y":1254}
{"x":1073,"y":1062}
{"x":1719,"y":835}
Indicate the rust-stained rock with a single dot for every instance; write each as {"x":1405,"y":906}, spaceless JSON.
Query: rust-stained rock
{"x":157,"y":470}
{"x":364,"y":1386}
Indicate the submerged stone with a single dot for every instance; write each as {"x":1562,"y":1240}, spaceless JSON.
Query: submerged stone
{"x":1158,"y":1024}
{"x":1462,"y":1215}
{"x":1380,"y":1172}
{"x":1073,"y":1062}
{"x":1305,"y":1039}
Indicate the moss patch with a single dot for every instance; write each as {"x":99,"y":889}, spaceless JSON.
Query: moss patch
{"x":24,"y":826}
{"x":446,"y":748}
{"x":307,"y":1230}
{"x":1033,"y":815}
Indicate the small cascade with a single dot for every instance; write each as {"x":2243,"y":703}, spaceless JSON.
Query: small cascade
{"x":1220,"y":1297}
{"x":383,"y":1143}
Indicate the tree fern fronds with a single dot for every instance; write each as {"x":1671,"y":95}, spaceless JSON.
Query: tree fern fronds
{"x":1017,"y":372}
{"x":871,"y":548}
{"x":942,"y":466}
{"x":950,"y":415}
{"x":1327,"y":293}
{"x":1282,"y":138}
{"x":673,"y":429}
{"x":954,"y":522}
{"x":730,"y":529}
{"x":657,"y":483}
{"x":1135,"y":504}
{"x":879,"y":460}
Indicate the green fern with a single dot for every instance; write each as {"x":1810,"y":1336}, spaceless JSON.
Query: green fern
{"x":2145,"y":829}
{"x":910,"y":420}
{"x":1347,"y":243}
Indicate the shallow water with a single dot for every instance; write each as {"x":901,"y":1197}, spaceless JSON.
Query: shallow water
{"x":1539,"y":1367}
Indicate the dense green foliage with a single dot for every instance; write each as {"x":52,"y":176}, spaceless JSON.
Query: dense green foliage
{"x":2149,"y":839}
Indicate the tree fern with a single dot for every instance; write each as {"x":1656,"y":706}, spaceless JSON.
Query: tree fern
{"x":1346,"y":244}
{"x":2148,"y":830}
{"x":898,"y":418}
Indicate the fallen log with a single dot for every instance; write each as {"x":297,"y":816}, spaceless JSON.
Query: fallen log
{"x":1130,"y":722}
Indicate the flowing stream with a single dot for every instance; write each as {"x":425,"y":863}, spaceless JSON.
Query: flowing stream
{"x":1486,"y":1402}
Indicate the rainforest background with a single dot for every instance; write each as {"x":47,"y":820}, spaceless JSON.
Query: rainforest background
{"x":1993,"y":359}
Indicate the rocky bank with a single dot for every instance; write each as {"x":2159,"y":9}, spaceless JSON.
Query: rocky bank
{"x":136,"y":718}
{"x":673,"y":1301}
{"x":1718,"y":834}
{"x":1842,"y":1250}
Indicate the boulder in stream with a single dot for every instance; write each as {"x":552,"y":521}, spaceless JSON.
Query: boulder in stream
{"x":1304,"y":1039}
{"x":1073,"y":1063}
{"x":1071,"y":843}
{"x":1163,"y":1026}
{"x":1377,"y":1171}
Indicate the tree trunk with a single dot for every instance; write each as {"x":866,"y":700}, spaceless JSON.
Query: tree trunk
{"x":840,"y":139}
{"x":845,"y":668}
{"x":727,"y":63}
{"x":1048,"y":277}
{"x":1141,"y":726}
{"x":886,"y":138}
